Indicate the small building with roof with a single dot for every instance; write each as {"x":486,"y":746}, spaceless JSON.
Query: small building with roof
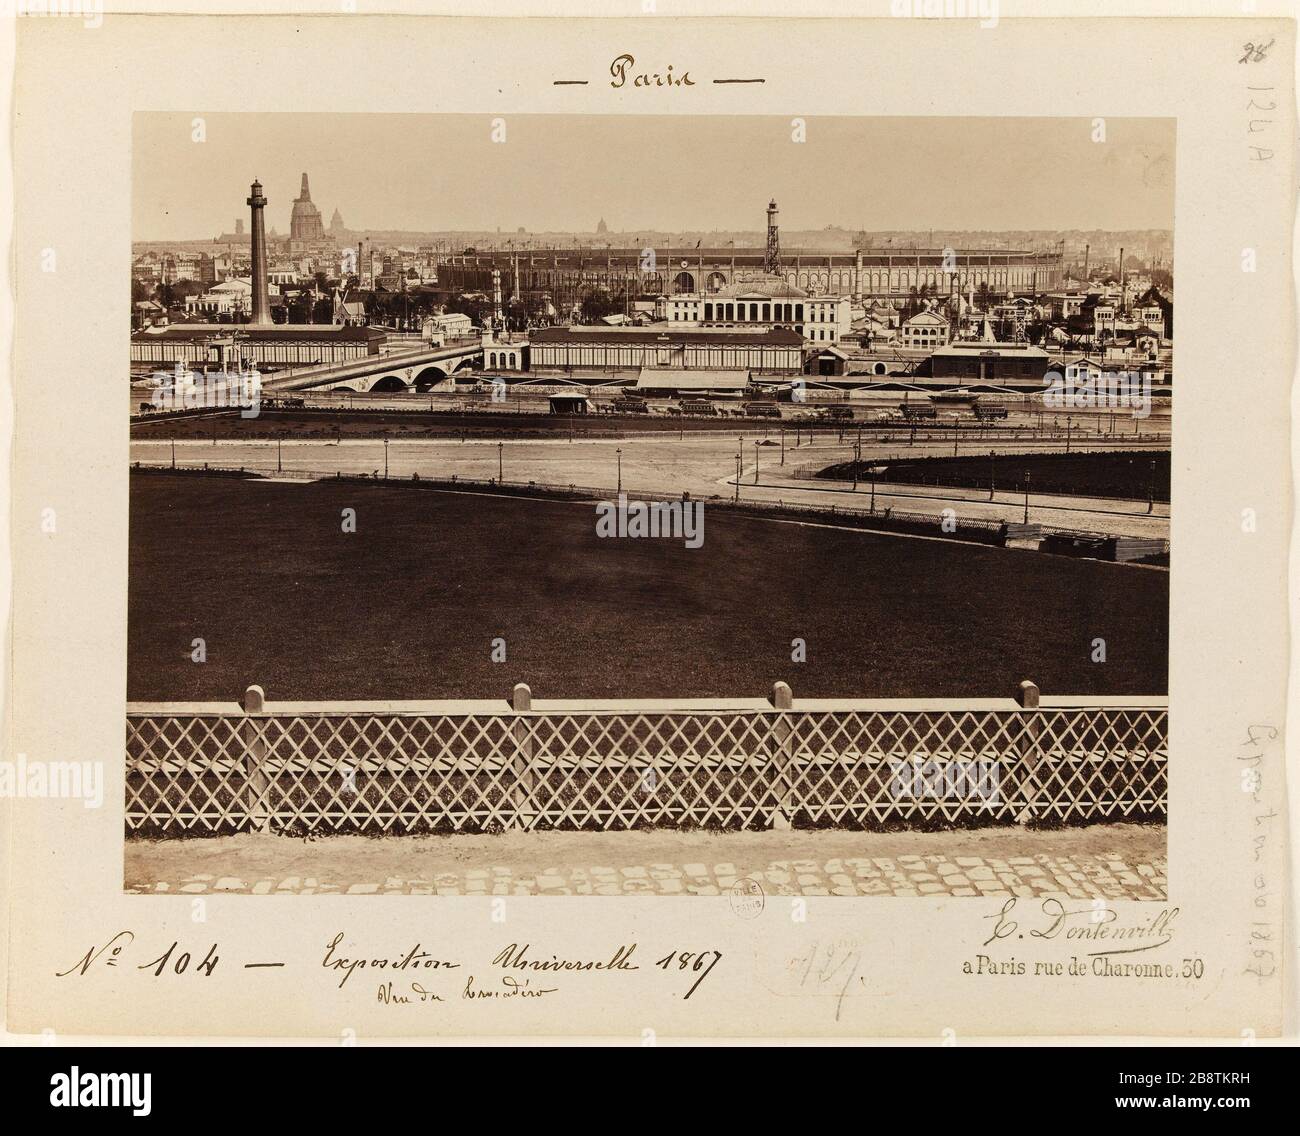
{"x":597,"y":347}
{"x":1004,"y":364}
{"x":276,"y":344}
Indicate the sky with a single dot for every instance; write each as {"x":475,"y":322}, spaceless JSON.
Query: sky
{"x":668,"y":173}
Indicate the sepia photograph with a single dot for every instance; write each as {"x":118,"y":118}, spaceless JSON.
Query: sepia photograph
{"x":652,"y":529}
{"x":650,"y":505}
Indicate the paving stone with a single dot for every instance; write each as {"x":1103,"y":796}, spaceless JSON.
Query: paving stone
{"x":844,"y":889}
{"x":964,"y":891}
{"x":550,"y":881}
{"x":449,"y":891}
{"x":930,"y":888}
{"x":696,"y":870}
{"x":636,"y":873}
{"x":229,"y":883}
{"x":289,"y":883}
{"x":702,"y":889}
{"x":980,"y":872}
{"x":807,"y":879}
{"x":608,"y":889}
{"x":262,"y":887}
{"x":815,"y":891}
{"x":777,"y":877}
{"x":670,"y":886}
{"x":193,"y":887}
{"x":726,"y":870}
{"x":363,"y":889}
{"x":557,"y":891}
{"x":969,"y":862}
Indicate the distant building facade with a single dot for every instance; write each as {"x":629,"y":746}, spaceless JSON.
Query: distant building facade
{"x":771,"y":303}
{"x":305,"y":223}
{"x":925,"y":329}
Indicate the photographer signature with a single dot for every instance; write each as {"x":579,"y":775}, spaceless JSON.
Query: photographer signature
{"x":1098,"y":922}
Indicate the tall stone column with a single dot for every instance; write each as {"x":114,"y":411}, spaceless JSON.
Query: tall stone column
{"x":261,"y":296}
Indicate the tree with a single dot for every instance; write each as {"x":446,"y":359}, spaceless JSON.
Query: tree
{"x":476,"y":308}
{"x":598,"y":304}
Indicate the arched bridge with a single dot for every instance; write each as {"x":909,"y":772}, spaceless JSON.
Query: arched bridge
{"x":407,"y":370}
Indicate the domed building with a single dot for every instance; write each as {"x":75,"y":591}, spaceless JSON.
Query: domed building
{"x":305,"y":223}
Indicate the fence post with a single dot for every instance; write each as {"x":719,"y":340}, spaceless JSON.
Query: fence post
{"x":254,"y":734}
{"x":1030,"y":756}
{"x":521,"y":702}
{"x":782,"y":731}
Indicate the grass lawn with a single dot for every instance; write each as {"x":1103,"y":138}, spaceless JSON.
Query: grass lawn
{"x":1129,"y":475}
{"x":408,"y":605}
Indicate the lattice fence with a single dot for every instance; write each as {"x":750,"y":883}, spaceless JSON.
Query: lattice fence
{"x":738,"y":764}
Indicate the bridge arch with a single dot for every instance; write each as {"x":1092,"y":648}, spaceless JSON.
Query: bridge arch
{"x":430,"y":376}
{"x":388,"y":384}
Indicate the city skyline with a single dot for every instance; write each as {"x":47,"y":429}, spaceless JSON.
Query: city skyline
{"x":429,"y":173}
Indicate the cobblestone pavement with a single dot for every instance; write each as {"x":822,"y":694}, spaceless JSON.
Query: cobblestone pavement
{"x":429,"y":867}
